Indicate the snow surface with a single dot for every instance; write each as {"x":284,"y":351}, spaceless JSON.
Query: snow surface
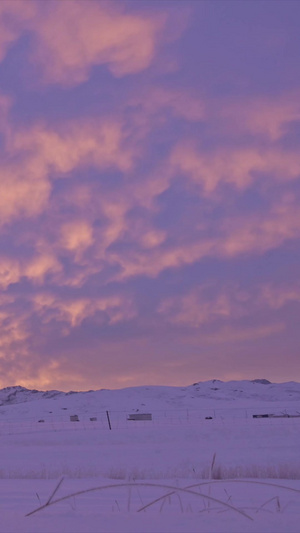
{"x":230,"y":451}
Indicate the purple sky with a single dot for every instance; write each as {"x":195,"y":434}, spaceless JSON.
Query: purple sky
{"x":149,"y":192}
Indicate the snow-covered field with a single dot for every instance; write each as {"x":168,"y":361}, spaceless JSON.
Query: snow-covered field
{"x":202,"y":461}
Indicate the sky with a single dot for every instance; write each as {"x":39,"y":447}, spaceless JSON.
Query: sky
{"x":149,"y":192}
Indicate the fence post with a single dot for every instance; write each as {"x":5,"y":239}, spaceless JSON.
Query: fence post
{"x":108,"y":420}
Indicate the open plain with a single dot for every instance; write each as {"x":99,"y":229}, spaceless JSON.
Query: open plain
{"x":202,"y":462}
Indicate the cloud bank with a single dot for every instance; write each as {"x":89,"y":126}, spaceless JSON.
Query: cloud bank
{"x":149,"y":208}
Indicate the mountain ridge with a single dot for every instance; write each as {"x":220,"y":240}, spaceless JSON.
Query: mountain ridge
{"x":234,"y":388}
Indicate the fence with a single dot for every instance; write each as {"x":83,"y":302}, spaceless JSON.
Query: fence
{"x":115,"y":420}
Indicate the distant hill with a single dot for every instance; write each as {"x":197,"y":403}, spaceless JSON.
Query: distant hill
{"x":206,"y":393}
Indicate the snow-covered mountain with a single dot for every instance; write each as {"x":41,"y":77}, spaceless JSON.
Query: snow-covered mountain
{"x":18,"y":401}
{"x":18,"y":394}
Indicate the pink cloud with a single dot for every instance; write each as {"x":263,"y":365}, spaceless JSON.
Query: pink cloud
{"x":74,"y":310}
{"x":257,"y":234}
{"x":5,"y":105}
{"x":10,"y":271}
{"x":197,"y":307}
{"x":73,"y":37}
{"x":237,"y":166}
{"x":13,"y":331}
{"x":14,"y":16}
{"x":177,"y":176}
{"x":39,"y":154}
{"x":241,"y":234}
{"x":14,"y":334}
{"x":231,"y":334}
{"x":40,"y":265}
{"x":77,"y":236}
{"x":268,"y":117}
{"x":70,"y":38}
{"x":152,"y":262}
{"x":76,"y":143}
{"x":34,"y":269}
{"x":280,"y":295}
{"x":158,"y":101}
{"x":23,"y":191}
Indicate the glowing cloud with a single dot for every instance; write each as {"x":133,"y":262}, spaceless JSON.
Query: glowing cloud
{"x":277,"y":297}
{"x":77,"y":143}
{"x":13,"y":332}
{"x":268,"y":117}
{"x":23,"y":191}
{"x":77,"y":235}
{"x":10,"y":272}
{"x":198,"y":307}
{"x":14,"y":16}
{"x":113,"y":309}
{"x":72,"y":38}
{"x":40,"y":266}
{"x":149,"y":193}
{"x":239,"y":167}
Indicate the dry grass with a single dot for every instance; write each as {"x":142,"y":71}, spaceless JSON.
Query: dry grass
{"x":213,"y":471}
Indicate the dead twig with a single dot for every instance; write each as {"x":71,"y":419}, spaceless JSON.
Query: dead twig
{"x":155,"y":485}
{"x":284,"y":487}
{"x":55,"y":491}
